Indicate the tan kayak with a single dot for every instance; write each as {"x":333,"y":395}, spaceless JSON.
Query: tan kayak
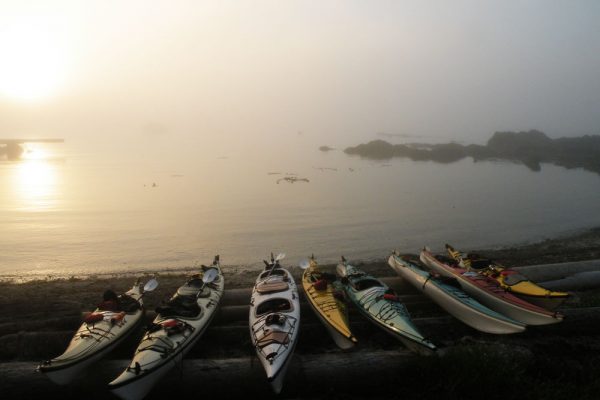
{"x":321,"y":296}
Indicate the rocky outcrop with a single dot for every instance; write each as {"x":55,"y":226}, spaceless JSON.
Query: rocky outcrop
{"x":530,"y":148}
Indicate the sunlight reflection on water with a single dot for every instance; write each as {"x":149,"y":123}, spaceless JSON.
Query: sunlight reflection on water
{"x":35,"y":185}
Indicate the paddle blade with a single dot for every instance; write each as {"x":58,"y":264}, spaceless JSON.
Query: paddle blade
{"x":210,"y":275}
{"x":280,"y":257}
{"x":341,"y":270}
{"x":304,"y":264}
{"x":150,"y":285}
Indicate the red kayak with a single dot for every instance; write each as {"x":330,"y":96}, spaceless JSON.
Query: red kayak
{"x":488,"y":291}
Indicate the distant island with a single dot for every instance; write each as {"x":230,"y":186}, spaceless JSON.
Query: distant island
{"x":530,"y":148}
{"x":12,"y":149}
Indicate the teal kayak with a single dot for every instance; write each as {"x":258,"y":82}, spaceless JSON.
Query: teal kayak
{"x":382,"y":306}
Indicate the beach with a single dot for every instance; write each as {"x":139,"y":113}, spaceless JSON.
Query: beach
{"x":38,"y":318}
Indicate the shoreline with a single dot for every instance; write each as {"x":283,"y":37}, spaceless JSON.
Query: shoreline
{"x":577,"y":245}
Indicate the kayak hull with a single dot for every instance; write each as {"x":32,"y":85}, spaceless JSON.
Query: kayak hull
{"x":374,"y":300}
{"x":85,"y":349}
{"x":549,"y":303}
{"x":455,"y":301}
{"x":488,"y":292}
{"x":276,"y":377}
{"x":342,"y":341}
{"x":514,"y":282}
{"x":274,"y":322}
{"x":329,"y":310}
{"x":160,"y":350}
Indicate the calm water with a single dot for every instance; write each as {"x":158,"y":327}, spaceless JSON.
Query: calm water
{"x":88,"y":209}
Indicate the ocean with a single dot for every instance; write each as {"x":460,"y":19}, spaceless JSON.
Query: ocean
{"x":83,"y":208}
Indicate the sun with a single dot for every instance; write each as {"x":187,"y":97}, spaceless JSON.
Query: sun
{"x":33,"y":60}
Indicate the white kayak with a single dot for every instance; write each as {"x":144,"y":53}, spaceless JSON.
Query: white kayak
{"x":176,"y":328}
{"x":274,"y":320}
{"x":102,"y":330}
{"x":454,"y":300}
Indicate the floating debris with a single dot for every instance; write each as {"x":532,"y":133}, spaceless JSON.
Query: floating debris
{"x":326,"y":148}
{"x":350,"y":169}
{"x":273,"y":173}
{"x":292,"y":179}
{"x":322,"y":169}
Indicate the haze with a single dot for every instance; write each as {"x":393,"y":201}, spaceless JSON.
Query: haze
{"x":233,"y":73}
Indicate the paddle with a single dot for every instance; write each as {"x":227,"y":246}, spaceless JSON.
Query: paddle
{"x":279,"y":257}
{"x":150,"y":286}
{"x":274,"y":262}
{"x":341,"y":268}
{"x":208,"y":277}
{"x":458,"y":257}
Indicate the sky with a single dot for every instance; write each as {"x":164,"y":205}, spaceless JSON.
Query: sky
{"x":264,"y":71}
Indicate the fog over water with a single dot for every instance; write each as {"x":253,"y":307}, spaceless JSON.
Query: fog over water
{"x":94,"y":213}
{"x":204,"y":99}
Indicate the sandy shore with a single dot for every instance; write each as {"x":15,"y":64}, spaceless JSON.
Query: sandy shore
{"x":76,"y":294}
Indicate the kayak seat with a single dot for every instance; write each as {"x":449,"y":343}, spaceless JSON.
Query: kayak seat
{"x":480,"y":263}
{"x":109,"y":305}
{"x":275,"y":272}
{"x":277,"y":305}
{"x":320,"y":284}
{"x":128,"y":304}
{"x":275,"y":319}
{"x":272,"y":287}
{"x":192,"y":290}
{"x":364,"y":284}
{"x":447,"y":260}
{"x":180,"y":306}
{"x":273,"y":337}
{"x":513,"y":279}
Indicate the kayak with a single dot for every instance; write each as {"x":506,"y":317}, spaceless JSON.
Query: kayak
{"x":177,"y":327}
{"x":453,"y":299}
{"x":274,"y":320}
{"x":382,"y":306}
{"x":487,"y":290}
{"x":325,"y":302}
{"x":510,"y":280}
{"x":101,"y":331}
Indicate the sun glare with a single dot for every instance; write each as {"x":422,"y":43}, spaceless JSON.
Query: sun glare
{"x":35,"y":184}
{"x":33,"y":152}
{"x":33,"y":61}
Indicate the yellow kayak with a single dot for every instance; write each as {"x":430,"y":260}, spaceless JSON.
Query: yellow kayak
{"x":510,"y":280}
{"x":321,"y":296}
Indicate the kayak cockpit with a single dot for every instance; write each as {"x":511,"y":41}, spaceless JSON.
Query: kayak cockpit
{"x":365,"y":284}
{"x":272,"y":272}
{"x":274,"y":306}
{"x":181,"y":306}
